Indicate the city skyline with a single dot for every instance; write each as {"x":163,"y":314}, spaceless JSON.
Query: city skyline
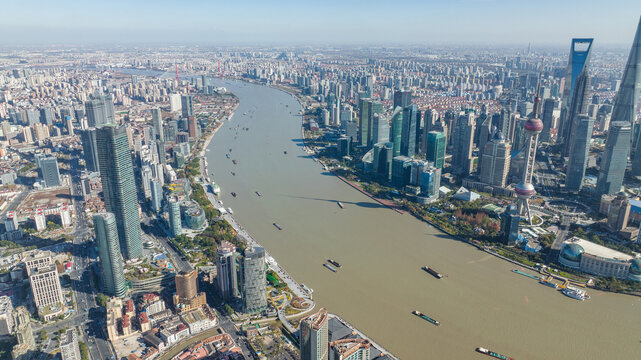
{"x":434,"y":23}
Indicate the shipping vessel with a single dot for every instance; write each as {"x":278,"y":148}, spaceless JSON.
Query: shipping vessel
{"x":340,"y":204}
{"x":432,"y":272}
{"x":425,"y":317}
{"x":487,"y":352}
{"x":329,"y":267}
{"x":234,"y":162}
{"x":233,"y":194}
{"x":278,"y":226}
{"x":335,"y":263}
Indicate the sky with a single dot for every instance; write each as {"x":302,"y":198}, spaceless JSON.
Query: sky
{"x":321,"y":22}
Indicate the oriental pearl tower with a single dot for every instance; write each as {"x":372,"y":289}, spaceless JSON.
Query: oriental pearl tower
{"x":525,"y":190}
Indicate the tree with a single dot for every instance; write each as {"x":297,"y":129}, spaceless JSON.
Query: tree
{"x":84,"y":352}
{"x":42,"y":336}
{"x":229,"y":310}
{"x":102,"y":299}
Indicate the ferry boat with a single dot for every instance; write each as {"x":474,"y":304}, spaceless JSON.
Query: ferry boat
{"x":425,"y":317}
{"x":432,"y":272}
{"x":278,"y":226}
{"x":257,"y":193}
{"x":215,"y":188}
{"x":233,"y":194}
{"x":487,"y":352}
{"x":335,"y":263}
{"x":575,"y":293}
{"x":340,"y":204}
{"x":329,"y":267}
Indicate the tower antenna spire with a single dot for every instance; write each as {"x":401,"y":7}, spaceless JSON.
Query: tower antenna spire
{"x":537,"y":97}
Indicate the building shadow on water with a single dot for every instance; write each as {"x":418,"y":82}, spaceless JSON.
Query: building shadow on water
{"x":363,"y":204}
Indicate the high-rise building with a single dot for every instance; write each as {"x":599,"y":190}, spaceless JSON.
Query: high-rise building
{"x":227,"y":271}
{"x":350,"y":349}
{"x":380,"y":129}
{"x":46,"y":116}
{"x":549,"y":105}
{"x":6,"y":316}
{"x":90,"y":150}
{"x":175,"y":103}
{"x":156,"y":195}
{"x":382,"y":164}
{"x":25,"y":349}
{"x":401,"y":170}
{"x":45,"y":286}
{"x":627,"y":100}
{"x":435,"y":148}
{"x":410,"y":130}
{"x":192,"y":127}
{"x":173,"y":210}
{"x":314,"y":336}
{"x":496,"y":161}
{"x":619,"y":212}
{"x":462,"y":160}
{"x":156,"y":120}
{"x":402,"y":98}
{"x":614,"y":159}
{"x":485,"y":132}
{"x":578,"y":106}
{"x":187,"y":105}
{"x":111,"y":265}
{"x":69,"y":349}
{"x":579,"y":153}
{"x":580,"y":50}
{"x":100,"y":110}
{"x":510,"y":224}
{"x":396,"y":133}
{"x":187,"y":296}
{"x":368,"y":108}
{"x":254,"y":284}
{"x":48,"y":167}
{"x":119,"y":186}
{"x":430,"y":181}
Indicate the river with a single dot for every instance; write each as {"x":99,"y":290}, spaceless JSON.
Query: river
{"x":480,"y":303}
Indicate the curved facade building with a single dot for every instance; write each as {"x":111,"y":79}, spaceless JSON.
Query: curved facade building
{"x":598,"y":260}
{"x":193,"y":215}
{"x":113,"y":278}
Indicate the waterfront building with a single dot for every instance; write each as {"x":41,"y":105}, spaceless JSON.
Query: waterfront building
{"x":619,"y":212}
{"x":431,"y":181}
{"x":614,"y":159}
{"x":119,"y":187}
{"x":368,"y":108}
{"x":254,"y":284}
{"x":435,"y":148}
{"x":496,"y":161}
{"x":350,"y":349}
{"x":90,"y":149}
{"x":187,"y":105}
{"x":382,"y":163}
{"x":343,"y":146}
{"x":410,"y":130}
{"x":314,"y":336}
{"x":579,"y":153}
{"x":510,"y":219}
{"x":462,"y":160}
{"x":227,"y":271}
{"x":111,"y":265}
{"x":591,"y":258}
{"x":396,"y":133}
{"x":401,"y":170}
{"x":48,"y":168}
{"x":69,"y":349}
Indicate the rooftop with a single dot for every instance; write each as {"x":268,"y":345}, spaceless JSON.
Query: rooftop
{"x":598,"y":250}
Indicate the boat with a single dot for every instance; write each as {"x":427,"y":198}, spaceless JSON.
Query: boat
{"x":257,"y":193}
{"x":233,"y":194}
{"x":227,"y":156}
{"x":425,"y":317}
{"x":575,"y":293}
{"x":234,"y":162}
{"x":230,"y":149}
{"x":487,"y":352}
{"x":285,"y":152}
{"x":517,"y":271}
{"x":278,"y":226}
{"x":340,"y":204}
{"x":432,"y":272}
{"x":229,"y":210}
{"x":329,"y":267}
{"x":549,"y":283}
{"x":306,"y":288}
{"x":233,"y":173}
{"x":333,"y":262}
{"x":215,"y":188}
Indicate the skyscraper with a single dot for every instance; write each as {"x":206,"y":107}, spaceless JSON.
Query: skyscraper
{"x":48,"y":167}
{"x":350,"y":349}
{"x":510,"y":219}
{"x":548,"y":118}
{"x":113,"y":278}
{"x":578,"y":106}
{"x":402,"y":98}
{"x":579,"y":153}
{"x":314,"y":336}
{"x":100,"y":110}
{"x":254,"y":285}
{"x":410,"y":130}
{"x":380,"y":129}
{"x":227,"y":271}
{"x":119,"y":186}
{"x":496,"y":161}
{"x":156,"y":119}
{"x":627,"y":100}
{"x":90,"y":150}
{"x":382,"y":163}
{"x":396,"y":132}
{"x":187,"y":296}
{"x":156,"y":195}
{"x":368,"y":108}
{"x":580,"y":50}
{"x":462,"y":160}
{"x":614,"y":159}
{"x":187,"y":105}
{"x":175,"y":225}
{"x":435,"y":148}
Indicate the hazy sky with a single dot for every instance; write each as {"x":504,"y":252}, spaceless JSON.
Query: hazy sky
{"x":495,"y":22}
